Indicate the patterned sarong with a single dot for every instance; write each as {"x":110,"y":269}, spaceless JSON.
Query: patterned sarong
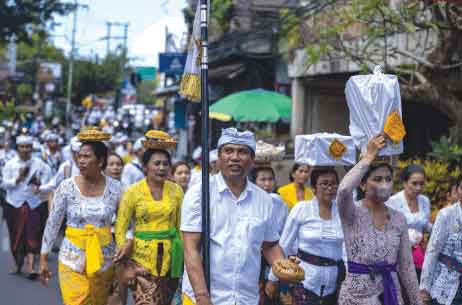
{"x":25,"y":227}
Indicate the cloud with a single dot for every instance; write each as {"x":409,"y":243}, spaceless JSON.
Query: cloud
{"x":146,"y":46}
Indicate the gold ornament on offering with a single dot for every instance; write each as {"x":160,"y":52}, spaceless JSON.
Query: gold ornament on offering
{"x":288,"y":271}
{"x":92,"y":134}
{"x":337,"y":149}
{"x":157,"y":139}
{"x":394,"y":127}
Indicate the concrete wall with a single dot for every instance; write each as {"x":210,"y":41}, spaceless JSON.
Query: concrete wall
{"x":318,"y":106}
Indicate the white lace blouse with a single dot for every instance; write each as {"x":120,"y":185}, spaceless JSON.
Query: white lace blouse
{"x":419,"y":221}
{"x":80,"y":211}
{"x":446,"y":238}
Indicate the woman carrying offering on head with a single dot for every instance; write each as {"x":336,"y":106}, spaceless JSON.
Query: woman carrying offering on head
{"x":88,"y":201}
{"x":154,"y":259}
{"x":380,"y":264}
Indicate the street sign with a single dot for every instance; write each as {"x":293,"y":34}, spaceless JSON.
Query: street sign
{"x":146,"y":73}
{"x":172,"y":63}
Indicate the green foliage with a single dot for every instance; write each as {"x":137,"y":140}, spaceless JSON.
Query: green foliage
{"x":8,"y":110}
{"x":446,"y":150}
{"x":18,"y":16}
{"x":24,"y":90}
{"x":221,"y":11}
{"x":145,"y":91}
{"x":91,"y":77}
{"x":438,"y":175}
{"x":324,"y":27}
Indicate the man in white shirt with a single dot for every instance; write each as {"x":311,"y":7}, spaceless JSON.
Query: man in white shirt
{"x":133,"y":171}
{"x":242,"y":226}
{"x":51,"y":154}
{"x":25,"y":211}
{"x":67,"y":169}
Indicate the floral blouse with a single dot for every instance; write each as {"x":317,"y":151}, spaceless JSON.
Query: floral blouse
{"x":446,"y":238}
{"x":79,"y":211}
{"x":149,"y":215}
{"x":367,"y":245}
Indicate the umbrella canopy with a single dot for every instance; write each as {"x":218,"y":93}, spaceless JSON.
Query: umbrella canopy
{"x":252,"y":106}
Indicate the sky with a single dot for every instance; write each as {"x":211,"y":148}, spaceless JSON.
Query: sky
{"x":146,"y":32}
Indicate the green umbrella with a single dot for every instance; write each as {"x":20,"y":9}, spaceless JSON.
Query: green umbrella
{"x":252,"y":106}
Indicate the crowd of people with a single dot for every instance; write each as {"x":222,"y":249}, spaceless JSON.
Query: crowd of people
{"x":127,"y":217}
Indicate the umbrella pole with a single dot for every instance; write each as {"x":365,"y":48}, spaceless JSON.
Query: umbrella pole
{"x":205,"y":142}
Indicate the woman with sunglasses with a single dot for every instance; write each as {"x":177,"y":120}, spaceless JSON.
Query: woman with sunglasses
{"x":153,"y":261}
{"x":313,"y":233}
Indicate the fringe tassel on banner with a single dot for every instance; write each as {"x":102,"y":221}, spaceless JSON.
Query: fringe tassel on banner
{"x":190,"y":87}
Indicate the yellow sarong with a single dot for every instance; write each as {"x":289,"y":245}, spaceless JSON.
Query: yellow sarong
{"x":91,"y":240}
{"x":79,"y":289}
{"x":187,"y":300}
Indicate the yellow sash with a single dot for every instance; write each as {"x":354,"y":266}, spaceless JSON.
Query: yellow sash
{"x":187,"y":300}
{"x":91,"y":240}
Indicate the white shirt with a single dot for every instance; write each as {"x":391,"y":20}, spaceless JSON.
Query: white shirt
{"x":419,"y":221}
{"x":196,"y":177}
{"x":132,"y":173}
{"x":16,"y":195}
{"x":67,"y":153}
{"x":281,"y":211}
{"x":238,"y":228}
{"x":66,"y":170}
{"x":441,"y":282}
{"x":307,"y":231}
{"x":5,"y":156}
{"x":52,"y":160}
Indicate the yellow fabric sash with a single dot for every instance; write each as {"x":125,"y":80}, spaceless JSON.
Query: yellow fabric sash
{"x":91,"y":240}
{"x":187,"y":300}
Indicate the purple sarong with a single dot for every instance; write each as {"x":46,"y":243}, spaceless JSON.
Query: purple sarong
{"x":390,"y":295}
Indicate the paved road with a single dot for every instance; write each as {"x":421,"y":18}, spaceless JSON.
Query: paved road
{"x":17,"y":290}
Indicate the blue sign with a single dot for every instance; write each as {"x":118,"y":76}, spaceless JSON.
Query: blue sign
{"x":172,"y":63}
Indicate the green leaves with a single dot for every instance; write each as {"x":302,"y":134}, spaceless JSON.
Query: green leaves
{"x":221,"y":11}
{"x":445,"y":150}
{"x":18,"y":16}
{"x":8,"y":110}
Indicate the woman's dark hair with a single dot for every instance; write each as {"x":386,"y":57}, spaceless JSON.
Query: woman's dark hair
{"x":148,"y":154}
{"x":373,"y":167}
{"x":178,"y":164}
{"x":100,"y":150}
{"x":295,"y":167}
{"x":455,"y":182}
{"x":318,"y":172}
{"x":409,"y":170}
{"x":113,"y":154}
{"x":257,"y":170}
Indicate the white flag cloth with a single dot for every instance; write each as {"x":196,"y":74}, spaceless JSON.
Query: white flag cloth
{"x":190,"y":87}
{"x":373,"y":100}
{"x":325,"y":149}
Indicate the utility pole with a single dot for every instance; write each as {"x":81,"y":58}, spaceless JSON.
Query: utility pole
{"x":71,"y":61}
{"x":108,"y":43}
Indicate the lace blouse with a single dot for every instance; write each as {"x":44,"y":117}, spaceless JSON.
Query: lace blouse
{"x":419,"y":221}
{"x":80,"y":211}
{"x":367,"y":245}
{"x":446,"y":238}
